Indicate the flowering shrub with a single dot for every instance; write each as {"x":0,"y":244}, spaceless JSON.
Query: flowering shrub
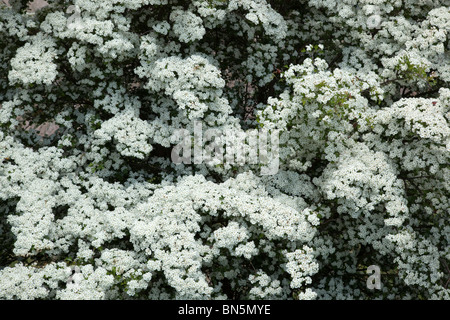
{"x":359,"y":94}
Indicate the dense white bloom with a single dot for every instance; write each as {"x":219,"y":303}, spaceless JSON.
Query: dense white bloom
{"x":34,"y":62}
{"x":91,"y":103}
{"x":187,"y":26}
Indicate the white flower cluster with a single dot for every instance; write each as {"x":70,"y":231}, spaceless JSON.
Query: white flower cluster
{"x":301,"y":266}
{"x":94,"y":207}
{"x":362,"y":180}
{"x":259,"y":11}
{"x":187,"y":26}
{"x":27,"y":283}
{"x":130,"y":132}
{"x":34,"y":62}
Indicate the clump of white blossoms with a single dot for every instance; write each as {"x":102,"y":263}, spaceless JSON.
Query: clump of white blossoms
{"x":96,"y":209}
